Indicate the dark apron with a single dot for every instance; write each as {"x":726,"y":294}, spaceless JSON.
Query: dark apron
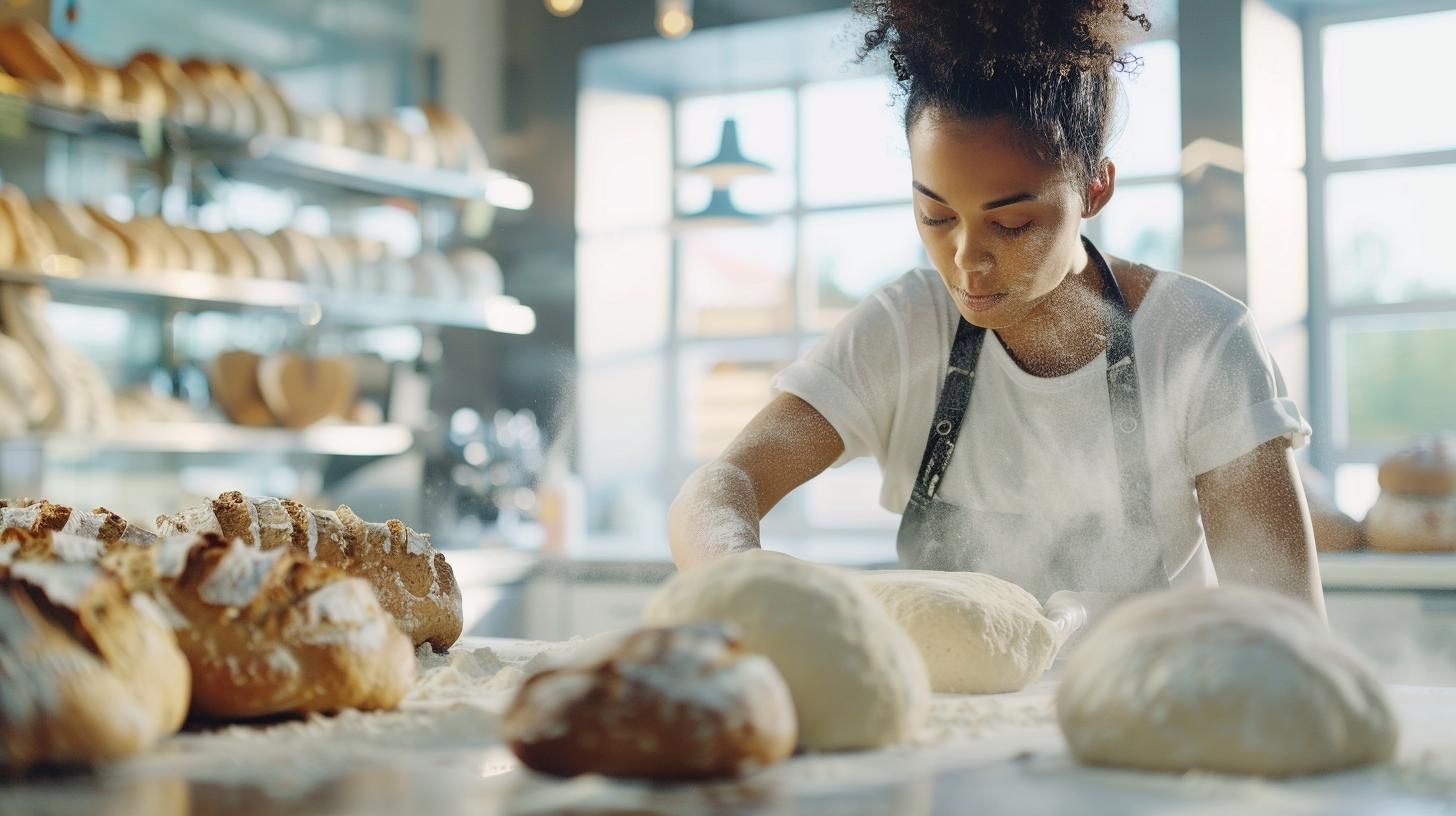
{"x":1075,"y":553}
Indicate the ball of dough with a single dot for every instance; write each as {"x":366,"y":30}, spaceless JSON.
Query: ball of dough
{"x":977,"y":633}
{"x":856,"y":678}
{"x":1228,"y":680}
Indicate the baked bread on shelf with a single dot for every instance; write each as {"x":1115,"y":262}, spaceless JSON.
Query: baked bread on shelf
{"x":412,"y":579}
{"x":1416,"y":511}
{"x":28,"y":52}
{"x":88,"y":671}
{"x":675,"y":703}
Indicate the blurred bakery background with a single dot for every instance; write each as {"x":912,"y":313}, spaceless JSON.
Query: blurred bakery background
{"x":509,"y":270}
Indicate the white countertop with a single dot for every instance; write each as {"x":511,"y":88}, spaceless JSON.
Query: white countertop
{"x":439,"y":755}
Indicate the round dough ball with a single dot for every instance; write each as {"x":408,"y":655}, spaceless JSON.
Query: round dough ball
{"x":977,"y":633}
{"x":856,"y":678}
{"x":1231,"y":680}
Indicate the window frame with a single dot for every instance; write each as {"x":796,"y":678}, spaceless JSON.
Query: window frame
{"x":1327,"y":453}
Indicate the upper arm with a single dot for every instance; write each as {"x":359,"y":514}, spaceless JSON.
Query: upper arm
{"x":1257,"y":522}
{"x":786,"y":444}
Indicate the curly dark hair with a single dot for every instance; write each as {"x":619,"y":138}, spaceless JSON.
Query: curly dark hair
{"x":1046,"y":64}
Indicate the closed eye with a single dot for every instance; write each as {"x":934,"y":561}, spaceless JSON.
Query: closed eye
{"x":936,"y":222}
{"x":1011,"y":231}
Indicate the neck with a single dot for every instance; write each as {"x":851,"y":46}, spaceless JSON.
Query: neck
{"x":1067,"y":329}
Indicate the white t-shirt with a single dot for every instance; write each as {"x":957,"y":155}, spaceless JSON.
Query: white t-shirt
{"x":1038,"y":452}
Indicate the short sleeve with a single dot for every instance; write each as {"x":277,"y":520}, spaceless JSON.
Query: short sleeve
{"x":852,"y":377}
{"x":1238,"y":401}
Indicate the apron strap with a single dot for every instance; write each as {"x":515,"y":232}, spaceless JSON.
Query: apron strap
{"x":1128,"y":433}
{"x":950,"y":412}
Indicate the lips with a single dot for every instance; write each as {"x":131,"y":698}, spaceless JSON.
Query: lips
{"x":978,"y":303}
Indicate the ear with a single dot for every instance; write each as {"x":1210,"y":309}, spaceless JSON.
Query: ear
{"x":1099,"y":189}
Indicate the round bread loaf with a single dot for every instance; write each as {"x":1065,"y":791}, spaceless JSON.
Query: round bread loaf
{"x":1427,"y":468}
{"x":670,"y":703}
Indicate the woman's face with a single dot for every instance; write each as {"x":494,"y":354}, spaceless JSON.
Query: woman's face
{"x":1001,"y":226}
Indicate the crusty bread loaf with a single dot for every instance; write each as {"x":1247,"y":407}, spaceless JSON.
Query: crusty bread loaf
{"x":269,"y":632}
{"x":676,"y":703}
{"x":412,"y":580}
{"x":234,"y":260}
{"x":301,"y":391}
{"x":143,"y":90}
{"x":29,"y":52}
{"x":173,"y":254}
{"x":201,"y":255}
{"x":141,"y":255}
{"x":233,"y":376}
{"x":271,"y":114}
{"x":230,"y":110}
{"x":185,"y":101}
{"x":267,"y":262}
{"x":1426,"y":468}
{"x":86,"y":672}
{"x":456,"y":144}
{"x":101,"y":83}
{"x":38,"y":517}
{"x":300,"y":255}
{"x":34,"y":244}
{"x":77,"y":234}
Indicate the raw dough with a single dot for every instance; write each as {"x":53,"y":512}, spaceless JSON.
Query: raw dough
{"x":856,"y":678}
{"x":977,"y":633}
{"x":1228,"y":680}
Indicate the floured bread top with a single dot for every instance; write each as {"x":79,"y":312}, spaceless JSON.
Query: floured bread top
{"x":239,"y":576}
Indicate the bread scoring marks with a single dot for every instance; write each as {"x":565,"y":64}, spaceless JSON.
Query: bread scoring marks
{"x":200,"y":519}
{"x":83,"y":524}
{"x":239,"y":575}
{"x":268,"y":515}
{"x":63,"y":584}
{"x":345,"y":612}
{"x":19,"y":518}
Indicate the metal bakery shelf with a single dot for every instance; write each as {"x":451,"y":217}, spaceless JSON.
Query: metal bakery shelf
{"x":193,"y":290}
{"x":222,"y":438}
{"x":298,"y":160}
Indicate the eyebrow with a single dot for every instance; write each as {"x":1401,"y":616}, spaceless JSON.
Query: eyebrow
{"x":989,"y":205}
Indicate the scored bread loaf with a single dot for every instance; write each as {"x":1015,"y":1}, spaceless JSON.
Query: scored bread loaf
{"x":38,"y":517}
{"x":269,"y":632}
{"x":87,"y":673}
{"x":101,"y":83}
{"x":412,"y":580}
{"x":683,"y":702}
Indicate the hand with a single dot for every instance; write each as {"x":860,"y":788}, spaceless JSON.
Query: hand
{"x":1073,"y":613}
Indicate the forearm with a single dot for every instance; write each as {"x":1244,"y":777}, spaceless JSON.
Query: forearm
{"x":715,"y":514}
{"x":1258,"y":555}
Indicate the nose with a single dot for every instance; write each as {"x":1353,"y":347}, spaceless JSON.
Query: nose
{"x":969,"y":257}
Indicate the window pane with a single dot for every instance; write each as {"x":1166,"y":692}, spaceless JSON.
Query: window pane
{"x":620,"y":407}
{"x":1394,"y":379}
{"x":624,"y":167}
{"x":848,"y":255}
{"x":721,"y":392}
{"x":737,"y":281}
{"x":1382,"y":86}
{"x":622,"y":301}
{"x":1148,"y":141}
{"x":1144,"y":223}
{"x":1386,"y":235}
{"x":765,"y":133}
{"x":853,"y":143}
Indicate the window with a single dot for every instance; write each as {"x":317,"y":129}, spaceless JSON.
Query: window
{"x":681,"y":328}
{"x":1383,"y":284}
